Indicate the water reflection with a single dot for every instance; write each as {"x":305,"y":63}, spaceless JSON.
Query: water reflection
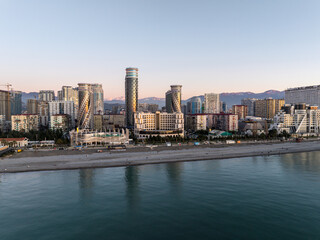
{"x":305,"y":161}
{"x":86,"y":177}
{"x":174,"y":171}
{"x":132,"y":183}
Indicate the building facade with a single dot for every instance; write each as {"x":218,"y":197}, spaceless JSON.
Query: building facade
{"x":223,"y":122}
{"x":113,"y":121}
{"x":60,"y":121}
{"x":249,"y":102}
{"x":196,"y":122}
{"x":268,"y":108}
{"x":131,"y":95}
{"x":62,"y":108}
{"x":25,"y":122}
{"x":86,"y":103}
{"x":46,"y":95}
{"x":161,"y":124}
{"x":240,"y":110}
{"x":194,"y":106}
{"x":5,"y":104}
{"x":32,"y":106}
{"x":98,"y":105}
{"x":16,"y":102}
{"x":309,"y":95}
{"x":301,"y":119}
{"x":43,"y":113}
{"x":173,"y":99}
{"x":211,"y":103}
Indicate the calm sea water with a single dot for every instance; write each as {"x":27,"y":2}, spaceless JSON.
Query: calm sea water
{"x":275,"y":197}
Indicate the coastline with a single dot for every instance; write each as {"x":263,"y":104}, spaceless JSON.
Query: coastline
{"x":67,"y":160}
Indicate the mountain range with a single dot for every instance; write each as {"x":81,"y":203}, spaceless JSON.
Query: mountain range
{"x":230,"y":98}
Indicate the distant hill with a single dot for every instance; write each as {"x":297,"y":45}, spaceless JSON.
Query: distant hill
{"x":229,"y":98}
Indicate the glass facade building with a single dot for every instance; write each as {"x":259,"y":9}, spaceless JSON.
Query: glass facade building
{"x":131,"y":95}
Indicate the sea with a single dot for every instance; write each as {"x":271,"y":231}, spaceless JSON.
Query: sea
{"x":267,"y":197}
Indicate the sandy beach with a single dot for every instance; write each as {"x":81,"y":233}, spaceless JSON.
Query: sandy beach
{"x":67,"y":159}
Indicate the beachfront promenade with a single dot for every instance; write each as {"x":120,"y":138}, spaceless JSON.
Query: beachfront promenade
{"x":76,"y":160}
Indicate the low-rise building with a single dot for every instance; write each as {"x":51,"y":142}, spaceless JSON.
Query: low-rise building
{"x":85,"y":137}
{"x":161,"y":124}
{"x":15,"y":142}
{"x":25,"y":122}
{"x":253,"y":126}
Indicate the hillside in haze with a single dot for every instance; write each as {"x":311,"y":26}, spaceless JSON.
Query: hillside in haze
{"x":229,"y":98}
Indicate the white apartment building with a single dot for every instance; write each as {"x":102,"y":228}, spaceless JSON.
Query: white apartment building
{"x":300,"y":121}
{"x":60,"y":121}
{"x":161,"y":124}
{"x":211,"y":103}
{"x":25,"y":122}
{"x":62,"y":107}
{"x":309,"y":95}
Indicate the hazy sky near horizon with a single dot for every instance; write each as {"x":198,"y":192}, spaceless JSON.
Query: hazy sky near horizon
{"x":205,"y":45}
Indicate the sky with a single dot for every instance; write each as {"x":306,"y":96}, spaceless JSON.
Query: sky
{"x":206,"y":46}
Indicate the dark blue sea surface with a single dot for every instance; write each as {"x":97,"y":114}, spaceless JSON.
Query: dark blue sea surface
{"x":274,"y":197}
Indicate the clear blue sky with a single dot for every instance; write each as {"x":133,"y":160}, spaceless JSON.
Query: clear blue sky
{"x":207,"y":46}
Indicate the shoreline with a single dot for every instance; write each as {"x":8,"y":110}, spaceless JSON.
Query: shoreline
{"x":70,"y":160}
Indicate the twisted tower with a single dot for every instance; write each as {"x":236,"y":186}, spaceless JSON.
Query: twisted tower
{"x":85,"y":112}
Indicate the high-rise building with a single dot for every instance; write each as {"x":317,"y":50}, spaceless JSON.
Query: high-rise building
{"x":194,"y":106}
{"x":60,"y":121}
{"x":32,"y":106}
{"x":267,"y":108}
{"x":249,"y":102}
{"x":69,"y":93}
{"x":309,"y":95}
{"x":240,"y":110}
{"x":211,"y":103}
{"x":43,"y":113}
{"x":5,"y":104}
{"x":98,"y":105}
{"x":173,"y":99}
{"x":46,"y":95}
{"x":16,"y":102}
{"x":85,"y":112}
{"x":131,"y":95}
{"x":60,"y":108}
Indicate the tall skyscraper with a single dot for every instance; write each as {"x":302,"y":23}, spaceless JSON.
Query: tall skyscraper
{"x":211,"y":103}
{"x":98,"y":106}
{"x":173,"y":99}
{"x":131,"y":95}
{"x":5,"y":104}
{"x":46,"y":95}
{"x":85,"y":112}
{"x":16,"y":102}
{"x":32,"y":106}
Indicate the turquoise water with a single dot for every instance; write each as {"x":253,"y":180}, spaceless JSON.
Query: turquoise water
{"x":275,"y":197}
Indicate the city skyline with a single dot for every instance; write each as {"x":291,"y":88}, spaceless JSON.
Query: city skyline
{"x":224,"y":47}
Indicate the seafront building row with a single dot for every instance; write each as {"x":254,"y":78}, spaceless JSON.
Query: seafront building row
{"x":82,"y":108}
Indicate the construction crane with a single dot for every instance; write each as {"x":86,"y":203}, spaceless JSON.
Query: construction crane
{"x":8,"y":85}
